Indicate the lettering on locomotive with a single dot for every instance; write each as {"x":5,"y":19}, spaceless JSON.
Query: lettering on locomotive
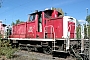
{"x":30,"y":29}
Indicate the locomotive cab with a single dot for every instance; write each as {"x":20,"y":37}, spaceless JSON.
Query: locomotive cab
{"x":44,"y":24}
{"x":53,"y":21}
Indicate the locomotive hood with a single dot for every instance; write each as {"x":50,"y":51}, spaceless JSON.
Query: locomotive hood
{"x":66,"y":25}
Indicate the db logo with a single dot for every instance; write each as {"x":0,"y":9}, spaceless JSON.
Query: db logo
{"x":30,"y":29}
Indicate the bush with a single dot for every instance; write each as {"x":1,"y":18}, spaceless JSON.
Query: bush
{"x":8,"y":52}
{"x":6,"y":49}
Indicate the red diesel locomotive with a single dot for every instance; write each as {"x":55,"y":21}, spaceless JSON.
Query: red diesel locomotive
{"x":47,"y":30}
{"x":45,"y":24}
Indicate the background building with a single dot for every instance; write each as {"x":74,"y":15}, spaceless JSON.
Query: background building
{"x":2,"y":29}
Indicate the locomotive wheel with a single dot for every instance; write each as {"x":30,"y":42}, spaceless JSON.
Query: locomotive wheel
{"x":47,"y":50}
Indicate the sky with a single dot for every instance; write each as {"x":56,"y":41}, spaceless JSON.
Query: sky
{"x":11,"y":10}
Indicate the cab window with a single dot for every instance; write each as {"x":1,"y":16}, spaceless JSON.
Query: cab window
{"x":48,"y":14}
{"x":32,"y":17}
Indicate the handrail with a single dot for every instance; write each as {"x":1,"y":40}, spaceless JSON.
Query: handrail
{"x":70,"y":29}
{"x":51,"y":33}
{"x":52,"y":30}
{"x":68,"y":36}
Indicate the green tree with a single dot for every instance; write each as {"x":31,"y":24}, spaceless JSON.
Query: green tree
{"x":78,"y":31}
{"x":13,"y":23}
{"x":88,"y":20}
{"x":85,"y":31}
{"x":89,"y":31}
{"x":17,"y":22}
{"x":77,"y":23}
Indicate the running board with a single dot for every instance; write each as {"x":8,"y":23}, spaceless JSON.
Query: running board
{"x":31,"y":39}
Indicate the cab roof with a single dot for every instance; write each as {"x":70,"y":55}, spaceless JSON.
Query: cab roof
{"x":40,"y":12}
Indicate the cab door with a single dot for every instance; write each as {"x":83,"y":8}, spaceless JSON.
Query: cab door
{"x":39,"y":33}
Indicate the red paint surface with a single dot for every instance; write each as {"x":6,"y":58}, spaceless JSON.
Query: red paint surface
{"x":31,"y":29}
{"x":57,"y":24}
{"x":71,"y":29}
{"x":19,"y":30}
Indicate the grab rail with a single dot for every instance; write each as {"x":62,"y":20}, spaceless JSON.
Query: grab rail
{"x":52,"y":30}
